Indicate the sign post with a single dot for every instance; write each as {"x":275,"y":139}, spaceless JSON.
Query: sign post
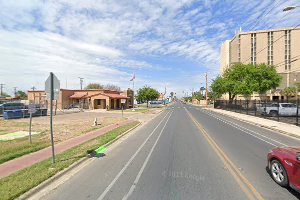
{"x":122,"y":103}
{"x":52,"y":87}
{"x":31,"y":110}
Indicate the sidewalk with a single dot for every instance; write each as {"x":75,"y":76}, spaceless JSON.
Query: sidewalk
{"x":288,"y":129}
{"x":17,"y":164}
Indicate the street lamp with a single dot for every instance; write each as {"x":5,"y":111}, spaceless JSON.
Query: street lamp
{"x":288,"y":8}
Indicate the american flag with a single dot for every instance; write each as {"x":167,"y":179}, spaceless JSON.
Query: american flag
{"x":132,"y":77}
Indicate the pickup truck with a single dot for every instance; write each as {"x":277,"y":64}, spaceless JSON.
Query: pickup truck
{"x":283,"y":109}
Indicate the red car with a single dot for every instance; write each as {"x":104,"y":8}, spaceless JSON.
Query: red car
{"x":284,"y":166}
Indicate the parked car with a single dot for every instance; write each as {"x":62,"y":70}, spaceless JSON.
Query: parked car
{"x":283,"y":165}
{"x":155,"y":104}
{"x":282,"y":109}
{"x":11,"y":106}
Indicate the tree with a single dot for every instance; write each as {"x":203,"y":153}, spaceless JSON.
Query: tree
{"x":198,"y":96}
{"x":241,"y":79}
{"x":297,"y":85}
{"x":93,"y":86}
{"x":21,"y":94}
{"x":289,"y":92}
{"x":187,"y":99}
{"x":112,"y":87}
{"x":218,"y":88}
{"x":213,"y":96}
{"x":147,"y":94}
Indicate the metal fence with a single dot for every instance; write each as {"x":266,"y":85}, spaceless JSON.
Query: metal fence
{"x":287,"y":111}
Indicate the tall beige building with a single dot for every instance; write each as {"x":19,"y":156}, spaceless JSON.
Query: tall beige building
{"x":278,"y":47}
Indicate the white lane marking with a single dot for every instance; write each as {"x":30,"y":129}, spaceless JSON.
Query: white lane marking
{"x":144,"y":164}
{"x":129,"y":161}
{"x":234,"y":125}
{"x":241,"y":128}
{"x":244,"y":130}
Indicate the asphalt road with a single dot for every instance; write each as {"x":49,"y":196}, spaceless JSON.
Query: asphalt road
{"x":185,"y":153}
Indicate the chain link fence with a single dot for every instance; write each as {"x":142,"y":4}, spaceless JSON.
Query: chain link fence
{"x":287,"y":111}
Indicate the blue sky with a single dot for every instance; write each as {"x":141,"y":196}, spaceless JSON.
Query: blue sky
{"x":168,"y":43}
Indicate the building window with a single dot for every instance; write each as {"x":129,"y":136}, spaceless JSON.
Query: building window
{"x":239,"y":48}
{"x":253,"y":48}
{"x":270,"y":48}
{"x":98,"y":102}
{"x":287,"y":57}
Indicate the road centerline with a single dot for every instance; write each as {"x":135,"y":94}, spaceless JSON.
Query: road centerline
{"x":245,"y":185}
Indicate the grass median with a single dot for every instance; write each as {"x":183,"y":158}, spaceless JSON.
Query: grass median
{"x":20,"y":182}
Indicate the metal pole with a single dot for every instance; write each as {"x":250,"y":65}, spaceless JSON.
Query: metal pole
{"x":265,"y":108}
{"x":30,"y":123}
{"x":297,"y":113}
{"x":278,"y":111}
{"x":15,"y":91}
{"x":51,"y":115}
{"x":247,"y":105}
{"x":122,"y":110}
{"x":133,"y":93}
{"x":1,"y":89}
{"x":254,"y":107}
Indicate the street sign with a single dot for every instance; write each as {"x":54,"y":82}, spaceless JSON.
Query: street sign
{"x":31,"y":108}
{"x":123,"y":100}
{"x":52,"y":88}
{"x":56,"y":87}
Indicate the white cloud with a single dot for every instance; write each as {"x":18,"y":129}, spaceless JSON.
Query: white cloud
{"x":102,"y":40}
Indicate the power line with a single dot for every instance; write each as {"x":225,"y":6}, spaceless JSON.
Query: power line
{"x":264,"y":14}
{"x":282,"y":19}
{"x":283,"y":62}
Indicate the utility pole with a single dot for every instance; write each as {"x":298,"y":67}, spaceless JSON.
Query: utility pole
{"x":15,"y":91}
{"x":206,"y":96}
{"x":81,"y":81}
{"x":1,"y":88}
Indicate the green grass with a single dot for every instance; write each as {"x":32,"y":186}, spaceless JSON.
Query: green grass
{"x":20,"y":182}
{"x":18,"y":147}
{"x":12,"y":149}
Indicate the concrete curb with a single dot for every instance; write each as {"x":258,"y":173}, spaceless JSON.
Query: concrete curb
{"x":41,"y":186}
{"x":47,"y":182}
{"x":257,"y":124}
